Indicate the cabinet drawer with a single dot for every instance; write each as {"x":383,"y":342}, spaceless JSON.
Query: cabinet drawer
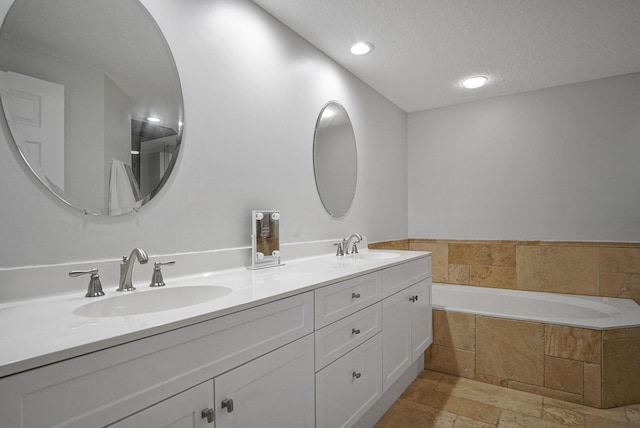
{"x":344,"y":298}
{"x":401,"y":276}
{"x":335,"y":340}
{"x":105,"y":386}
{"x":349,"y":386}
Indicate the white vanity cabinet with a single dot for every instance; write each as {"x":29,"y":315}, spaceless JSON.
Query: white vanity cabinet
{"x":369,"y":331}
{"x":184,"y":410}
{"x":107,"y":386}
{"x":322,"y":358}
{"x":348,"y":322}
{"x":407,"y":328}
{"x":272,"y":391}
{"x":275,"y":390}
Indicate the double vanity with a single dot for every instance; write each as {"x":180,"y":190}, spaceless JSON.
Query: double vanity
{"x":317,"y":342}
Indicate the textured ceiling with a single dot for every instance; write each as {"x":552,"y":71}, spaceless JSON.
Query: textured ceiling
{"x":423,"y":48}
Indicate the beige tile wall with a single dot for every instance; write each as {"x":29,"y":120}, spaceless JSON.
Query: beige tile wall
{"x":588,"y":268}
{"x":596,"y":368}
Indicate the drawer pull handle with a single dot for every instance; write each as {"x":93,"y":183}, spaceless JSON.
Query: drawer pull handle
{"x":412,"y":299}
{"x":356,"y":375}
{"x":208,"y":414}
{"x":355,"y":295}
{"x":228,"y":403}
{"x":355,"y":331}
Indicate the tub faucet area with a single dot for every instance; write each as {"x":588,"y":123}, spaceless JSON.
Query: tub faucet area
{"x":126,"y":268}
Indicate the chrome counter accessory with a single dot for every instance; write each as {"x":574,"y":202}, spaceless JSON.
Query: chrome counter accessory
{"x":354,"y":239}
{"x":265,"y":239}
{"x":156,"y":277}
{"x":126,"y":268}
{"x":95,"y":287}
{"x":340,"y":249}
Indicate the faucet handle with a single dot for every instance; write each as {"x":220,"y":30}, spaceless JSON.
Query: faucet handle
{"x":95,"y":287}
{"x":354,"y":248}
{"x":156,"y":277}
{"x":340,"y":249}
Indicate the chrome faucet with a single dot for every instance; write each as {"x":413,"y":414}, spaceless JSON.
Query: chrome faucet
{"x":126,"y":268}
{"x":350,"y":243}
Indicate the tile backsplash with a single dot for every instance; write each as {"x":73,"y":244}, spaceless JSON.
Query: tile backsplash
{"x":608,"y":269}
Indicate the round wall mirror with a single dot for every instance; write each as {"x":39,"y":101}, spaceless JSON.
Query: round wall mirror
{"x":335,"y":159}
{"x":91,"y":96}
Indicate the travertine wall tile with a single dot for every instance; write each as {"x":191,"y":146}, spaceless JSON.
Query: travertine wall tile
{"x":623,"y":285}
{"x":621,"y":333}
{"x":492,"y":380}
{"x":399,"y":244}
{"x":451,"y":360}
{"x":622,"y":260}
{"x":620,"y":372}
{"x":510,"y":349}
{"x":459,"y":274}
{"x":558,"y":269}
{"x":572,"y":342}
{"x":563,"y":375}
{"x":493,"y":276}
{"x":470,"y":254}
{"x":439,"y":258}
{"x":503,"y":255}
{"x":454,"y":329}
{"x":592,"y":385}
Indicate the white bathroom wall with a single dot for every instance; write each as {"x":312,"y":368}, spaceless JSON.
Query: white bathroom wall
{"x":555,"y":164}
{"x":252,"y":93}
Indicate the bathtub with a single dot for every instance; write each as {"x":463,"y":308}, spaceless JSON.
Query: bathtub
{"x":598,"y":313}
{"x":575,"y":348}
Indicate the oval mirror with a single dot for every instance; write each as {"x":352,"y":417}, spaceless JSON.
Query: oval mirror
{"x":335,"y":159}
{"x":91,"y":96}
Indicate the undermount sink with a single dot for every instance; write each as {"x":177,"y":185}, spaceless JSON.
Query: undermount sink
{"x":162,"y":299}
{"x":373,"y":256}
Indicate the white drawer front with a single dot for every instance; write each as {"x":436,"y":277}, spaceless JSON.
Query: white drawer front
{"x":401,"y":276}
{"x":335,"y":340}
{"x":102,"y":387}
{"x":344,"y":298}
{"x":348,"y":387}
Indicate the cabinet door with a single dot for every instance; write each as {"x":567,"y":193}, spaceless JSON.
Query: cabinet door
{"x":273,"y":391}
{"x":396,"y":337}
{"x":421,"y":323}
{"x":349,"y":386}
{"x":180,"y":411}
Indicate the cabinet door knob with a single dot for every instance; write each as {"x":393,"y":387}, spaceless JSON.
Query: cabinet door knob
{"x":355,"y":295}
{"x":228,"y":404}
{"x":355,"y":331}
{"x":208,"y":414}
{"x":356,"y":375}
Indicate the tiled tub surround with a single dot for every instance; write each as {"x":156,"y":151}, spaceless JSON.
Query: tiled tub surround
{"x":598,"y":368}
{"x":608,"y":269}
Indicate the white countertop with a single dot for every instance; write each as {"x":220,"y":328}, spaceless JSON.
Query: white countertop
{"x":37,"y":332}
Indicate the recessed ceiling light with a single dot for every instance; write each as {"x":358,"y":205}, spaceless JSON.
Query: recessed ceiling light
{"x":474,"y":82}
{"x":361,"y":48}
{"x":153,"y":119}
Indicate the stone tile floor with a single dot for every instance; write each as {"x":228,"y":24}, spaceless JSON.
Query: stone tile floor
{"x":439,"y":400}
